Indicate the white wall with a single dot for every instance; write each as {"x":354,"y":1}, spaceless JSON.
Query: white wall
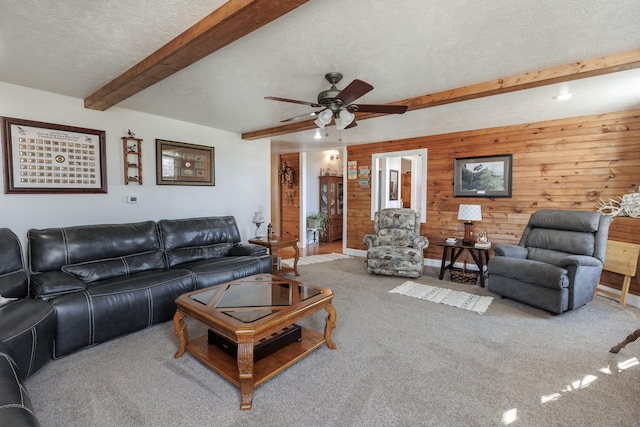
{"x":315,"y":161}
{"x":241,"y":170}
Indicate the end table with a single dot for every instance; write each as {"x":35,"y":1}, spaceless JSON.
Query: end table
{"x":274,"y":244}
{"x":453,"y":252}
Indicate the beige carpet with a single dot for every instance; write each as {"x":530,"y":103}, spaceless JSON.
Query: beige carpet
{"x":315,"y":259}
{"x":399,"y":362}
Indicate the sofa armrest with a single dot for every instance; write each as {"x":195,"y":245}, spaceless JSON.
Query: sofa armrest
{"x":247,"y":249}
{"x":511,"y":251}
{"x":579,"y":260}
{"x":420,"y":242}
{"x":53,"y":283}
{"x":371,"y":240}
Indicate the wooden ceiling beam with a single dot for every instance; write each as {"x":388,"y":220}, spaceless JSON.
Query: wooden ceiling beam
{"x":230,"y":22}
{"x":564,"y":73}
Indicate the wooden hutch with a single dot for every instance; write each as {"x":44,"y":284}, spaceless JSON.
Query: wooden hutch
{"x":331,"y":205}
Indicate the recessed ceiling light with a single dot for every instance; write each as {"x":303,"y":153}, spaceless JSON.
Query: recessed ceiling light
{"x":563,"y":96}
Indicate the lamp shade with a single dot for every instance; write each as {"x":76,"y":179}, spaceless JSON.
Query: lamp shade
{"x":324,"y":118}
{"x":470,"y":213}
{"x":258,"y":217}
{"x":344,"y":119}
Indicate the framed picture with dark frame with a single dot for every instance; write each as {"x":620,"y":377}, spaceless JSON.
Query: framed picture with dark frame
{"x":179,"y":163}
{"x":486,"y":176}
{"x":42,"y":158}
{"x":393,"y":184}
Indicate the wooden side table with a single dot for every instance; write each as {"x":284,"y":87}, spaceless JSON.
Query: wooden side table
{"x":274,"y":244}
{"x":452,"y":252}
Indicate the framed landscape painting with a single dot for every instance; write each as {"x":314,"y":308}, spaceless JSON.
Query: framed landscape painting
{"x":486,"y":176}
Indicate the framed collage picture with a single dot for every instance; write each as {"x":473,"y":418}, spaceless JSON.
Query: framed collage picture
{"x":178,"y":163}
{"x":52,"y":158}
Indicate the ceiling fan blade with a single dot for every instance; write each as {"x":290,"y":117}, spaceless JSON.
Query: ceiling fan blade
{"x":355,"y":90}
{"x":380,"y":108}
{"x":275,"y":98}
{"x":313,"y":114}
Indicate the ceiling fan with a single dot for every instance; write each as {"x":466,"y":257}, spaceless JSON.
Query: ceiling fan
{"x":337,"y":104}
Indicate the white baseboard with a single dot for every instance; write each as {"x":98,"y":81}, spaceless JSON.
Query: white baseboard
{"x":632,"y":300}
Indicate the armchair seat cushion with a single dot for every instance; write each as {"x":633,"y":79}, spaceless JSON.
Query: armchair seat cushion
{"x":394,"y":258}
{"x":530,"y":271}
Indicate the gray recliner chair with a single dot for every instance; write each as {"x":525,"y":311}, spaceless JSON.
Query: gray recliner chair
{"x":397,"y":247}
{"x":557,"y":263}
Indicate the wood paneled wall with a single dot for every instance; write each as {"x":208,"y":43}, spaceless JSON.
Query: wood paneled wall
{"x":290,"y":199}
{"x":559,"y":164}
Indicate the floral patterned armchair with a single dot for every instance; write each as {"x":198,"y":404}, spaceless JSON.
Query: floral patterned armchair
{"x":396,"y":248}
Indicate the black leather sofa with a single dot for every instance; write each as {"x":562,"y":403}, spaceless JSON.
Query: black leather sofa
{"x":89,"y":284}
{"x":27,"y":328}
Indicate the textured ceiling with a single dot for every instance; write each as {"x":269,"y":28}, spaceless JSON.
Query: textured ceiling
{"x":403,"y":48}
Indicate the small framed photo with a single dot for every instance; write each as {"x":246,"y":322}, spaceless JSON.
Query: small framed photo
{"x":51,"y":158}
{"x":179,"y":163}
{"x":486,"y":176}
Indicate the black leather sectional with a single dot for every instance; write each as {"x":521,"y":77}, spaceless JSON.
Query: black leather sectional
{"x":89,"y":284}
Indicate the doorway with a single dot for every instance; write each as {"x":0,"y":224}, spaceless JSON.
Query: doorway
{"x":387,"y":190}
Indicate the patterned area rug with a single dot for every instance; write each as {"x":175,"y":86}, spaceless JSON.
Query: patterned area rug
{"x":476,"y":303}
{"x":315,"y":259}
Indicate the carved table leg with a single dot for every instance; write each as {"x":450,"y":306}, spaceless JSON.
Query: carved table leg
{"x":296,"y":256}
{"x":631,"y":338}
{"x":180,"y":330}
{"x":330,"y":326}
{"x":245,"y":369}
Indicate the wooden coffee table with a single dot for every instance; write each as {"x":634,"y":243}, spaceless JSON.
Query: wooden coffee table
{"x":248,"y":311}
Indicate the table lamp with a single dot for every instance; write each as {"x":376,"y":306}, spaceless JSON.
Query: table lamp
{"x":469,"y":213}
{"x":258,"y":219}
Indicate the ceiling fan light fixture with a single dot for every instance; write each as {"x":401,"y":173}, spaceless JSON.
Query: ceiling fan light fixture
{"x":324,"y":118}
{"x":344,"y":119}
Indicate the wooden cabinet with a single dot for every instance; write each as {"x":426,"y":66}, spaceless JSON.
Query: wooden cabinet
{"x":405,"y":193}
{"x":331,"y":204}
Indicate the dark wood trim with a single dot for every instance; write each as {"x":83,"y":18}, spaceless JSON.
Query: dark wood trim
{"x":564,"y":73}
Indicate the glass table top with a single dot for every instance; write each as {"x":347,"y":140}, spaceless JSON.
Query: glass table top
{"x":247,"y":295}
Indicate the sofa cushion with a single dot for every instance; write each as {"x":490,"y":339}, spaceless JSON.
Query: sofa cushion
{"x":398,"y":218}
{"x":51,"y":249}
{"x":197,"y":253}
{"x":190,"y":232}
{"x":588,"y":222}
{"x":117,"y":306}
{"x":55,"y":283}
{"x":92,"y":271}
{"x":396,"y":237}
{"x":14,"y":282}
{"x":572,"y":242}
{"x":214,"y":271}
{"x":528,"y":271}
